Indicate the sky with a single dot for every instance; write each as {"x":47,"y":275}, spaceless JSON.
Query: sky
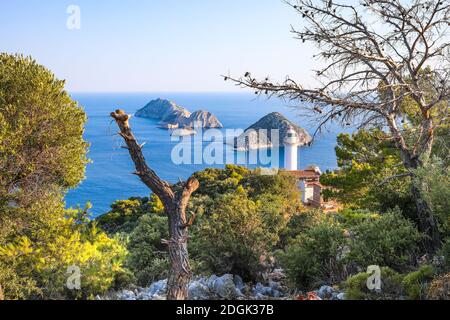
{"x":157,"y":45}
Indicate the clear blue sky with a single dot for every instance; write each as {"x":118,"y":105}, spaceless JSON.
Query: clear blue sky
{"x":157,"y":45}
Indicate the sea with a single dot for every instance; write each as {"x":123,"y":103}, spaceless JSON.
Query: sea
{"x":109,"y":174}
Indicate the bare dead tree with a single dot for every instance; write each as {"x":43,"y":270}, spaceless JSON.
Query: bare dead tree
{"x":175,"y":203}
{"x":374,"y":53}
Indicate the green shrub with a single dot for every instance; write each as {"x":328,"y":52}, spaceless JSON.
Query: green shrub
{"x":313,"y":258}
{"x":148,"y":258}
{"x":282,"y":184}
{"x":414,"y":283}
{"x":42,"y":156}
{"x":351,"y":218}
{"x":124,"y":214}
{"x":433,"y":178}
{"x":123,"y":280}
{"x":240,"y":215}
{"x":16,"y":286}
{"x":301,"y":222}
{"x":217,"y":182}
{"x":40,"y":259}
{"x":391,"y":240}
{"x":233,"y":237}
{"x":356,"y":286}
{"x":275,"y":213}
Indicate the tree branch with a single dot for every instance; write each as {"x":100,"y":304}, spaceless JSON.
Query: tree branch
{"x":397,"y":176}
{"x":158,"y":186}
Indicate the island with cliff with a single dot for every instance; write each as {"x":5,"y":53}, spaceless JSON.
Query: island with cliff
{"x":173,"y":116}
{"x":260,"y":134}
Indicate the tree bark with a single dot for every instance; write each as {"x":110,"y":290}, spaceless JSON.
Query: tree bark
{"x":427,"y":221}
{"x":180,"y":271}
{"x":175,"y":208}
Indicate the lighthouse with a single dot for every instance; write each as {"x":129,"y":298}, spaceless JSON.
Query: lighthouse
{"x":291,"y":143}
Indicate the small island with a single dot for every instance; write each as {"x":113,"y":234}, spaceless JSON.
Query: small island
{"x":173,"y":116}
{"x":253,"y":138}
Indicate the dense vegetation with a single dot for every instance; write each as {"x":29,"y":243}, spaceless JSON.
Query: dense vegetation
{"x":244,"y":217}
{"x":42,"y":154}
{"x":240,"y":216}
{"x":246,"y":223}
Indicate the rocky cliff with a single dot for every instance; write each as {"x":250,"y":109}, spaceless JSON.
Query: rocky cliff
{"x":203,"y":118}
{"x":164,"y":110}
{"x":255,"y":137}
{"x":173,"y":116}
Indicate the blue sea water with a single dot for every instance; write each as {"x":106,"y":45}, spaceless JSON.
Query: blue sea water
{"x":109,"y":175}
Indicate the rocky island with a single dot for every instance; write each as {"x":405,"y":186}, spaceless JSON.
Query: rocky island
{"x":253,"y":138}
{"x":173,"y":116}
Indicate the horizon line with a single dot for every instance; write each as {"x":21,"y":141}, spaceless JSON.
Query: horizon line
{"x":158,"y":92}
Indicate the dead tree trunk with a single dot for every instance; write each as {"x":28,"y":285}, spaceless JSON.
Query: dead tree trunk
{"x":2,"y":296}
{"x":175,"y":204}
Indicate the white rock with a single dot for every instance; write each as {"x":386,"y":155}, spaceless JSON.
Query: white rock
{"x":239,"y":282}
{"x":210,"y":282}
{"x":224,"y":287}
{"x":325,"y":292}
{"x":198,"y":291}
{"x":157,"y":288}
{"x":128,"y":295}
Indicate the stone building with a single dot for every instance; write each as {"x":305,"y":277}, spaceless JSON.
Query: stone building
{"x":309,"y":185}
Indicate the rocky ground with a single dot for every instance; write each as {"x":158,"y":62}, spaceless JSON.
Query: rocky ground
{"x":230,"y":287}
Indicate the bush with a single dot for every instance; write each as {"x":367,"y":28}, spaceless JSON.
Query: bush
{"x":124,"y":214}
{"x":38,"y":262}
{"x":433,"y":178}
{"x":414,"y":283}
{"x":240,"y":215}
{"x":275,"y":213}
{"x":391,"y":240}
{"x":356,"y":286}
{"x":148,"y":258}
{"x":123,"y":280}
{"x":282,"y":184}
{"x":41,"y":131}
{"x":301,"y":222}
{"x":42,"y":155}
{"x":14,"y":285}
{"x":314,"y":257}
{"x":233,"y":237}
{"x":351,"y":218}
{"x":217,"y":182}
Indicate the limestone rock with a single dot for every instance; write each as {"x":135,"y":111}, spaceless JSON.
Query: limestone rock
{"x":173,"y":116}
{"x":224,"y":287}
{"x":164,"y":110}
{"x":259,"y":135}
{"x":198,"y":291}
{"x":203,"y":119}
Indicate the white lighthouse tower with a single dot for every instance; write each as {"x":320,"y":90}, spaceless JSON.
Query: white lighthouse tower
{"x":291,"y":143}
